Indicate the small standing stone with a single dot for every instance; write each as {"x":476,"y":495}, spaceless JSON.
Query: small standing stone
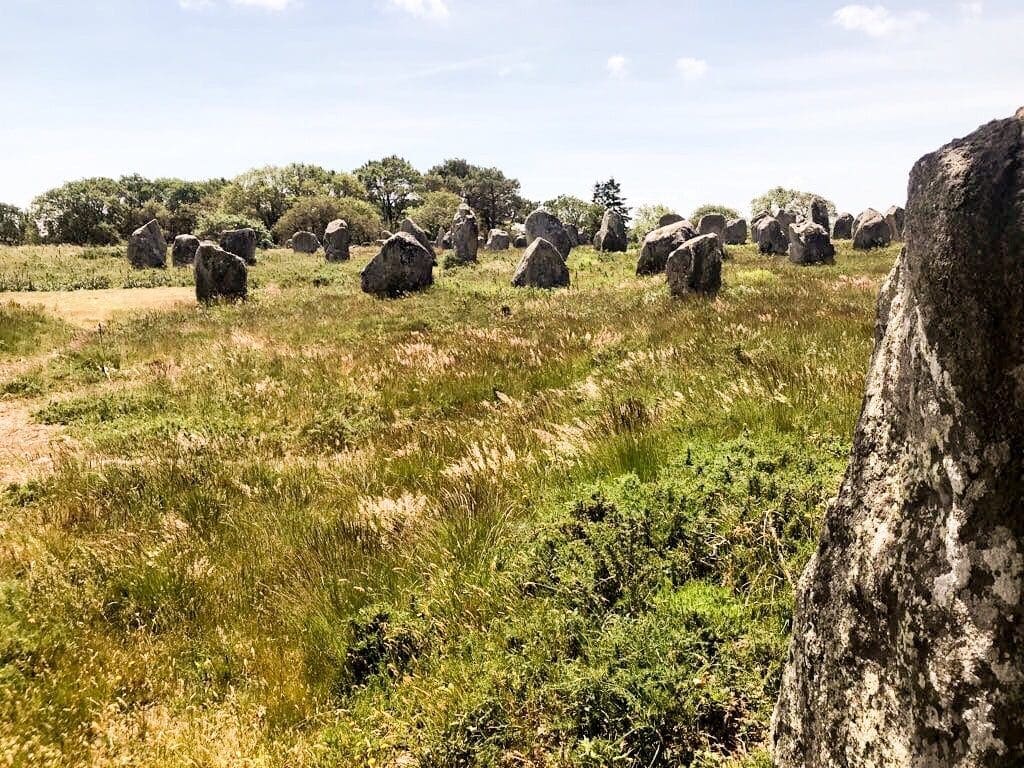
{"x":542,"y":266}
{"x":402,"y":266}
{"x":183,"y":252}
{"x":843,"y":228}
{"x":410,"y":227}
{"x":736,"y":232}
{"x":668,"y":219}
{"x":895,"y":218}
{"x":809,"y":243}
{"x":871,"y":231}
{"x":819,"y":214}
{"x":611,"y":238}
{"x":219,"y":274}
{"x":242,"y":243}
{"x":712,"y":224}
{"x":769,"y":238}
{"x":696,"y":266}
{"x":305,"y":242}
{"x":542,"y":224}
{"x":659,"y":245}
{"x":498,"y":240}
{"x":147,"y":248}
{"x":336,"y":241}
{"x":465,"y":235}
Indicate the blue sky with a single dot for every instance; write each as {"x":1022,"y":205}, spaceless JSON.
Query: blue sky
{"x":684,"y":102}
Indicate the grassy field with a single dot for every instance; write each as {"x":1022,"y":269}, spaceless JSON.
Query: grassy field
{"x":473,"y":527}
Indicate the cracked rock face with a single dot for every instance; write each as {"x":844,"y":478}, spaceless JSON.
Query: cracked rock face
{"x":908,"y":638}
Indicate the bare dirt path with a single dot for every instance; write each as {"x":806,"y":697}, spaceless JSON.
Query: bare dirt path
{"x":87,"y":309}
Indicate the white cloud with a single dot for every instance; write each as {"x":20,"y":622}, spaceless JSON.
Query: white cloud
{"x":877,"y":20}
{"x":691,"y":69}
{"x":616,"y":65}
{"x":972,"y":10}
{"x":424,"y":9}
{"x":267,"y":5}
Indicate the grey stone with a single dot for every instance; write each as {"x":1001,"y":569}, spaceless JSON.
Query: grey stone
{"x":305,"y":242}
{"x":785,"y":218}
{"x":769,"y":238}
{"x":542,"y":266}
{"x":147,"y":248}
{"x":659,"y":245}
{"x":520,"y":241}
{"x":611,"y":238}
{"x":843,"y":228}
{"x":410,"y":227}
{"x":895,"y":218}
{"x":809,"y":243}
{"x":498,"y":240}
{"x":465,"y":235}
{"x":909,"y":622}
{"x":871,"y":231}
{"x":542,"y":224}
{"x":241,"y":242}
{"x":402,"y":266}
{"x":574,"y":235}
{"x":219,"y":275}
{"x":668,"y":219}
{"x":819,"y":214}
{"x":183,"y":252}
{"x":712,"y":224}
{"x":736,"y":232}
{"x":696,"y":266}
{"x":337,"y":240}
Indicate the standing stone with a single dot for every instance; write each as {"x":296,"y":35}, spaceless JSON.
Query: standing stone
{"x":871,"y":231}
{"x":669,"y":219}
{"x":498,"y":240}
{"x":219,"y":274}
{"x":305,"y":242}
{"x":659,"y":245}
{"x":758,"y":218}
{"x":696,"y":266}
{"x":574,"y":235}
{"x":769,"y":238}
{"x":712,"y":224}
{"x":736,"y":232}
{"x":183,"y":252}
{"x":843,"y":228}
{"x":785,"y":218}
{"x":147,"y":248}
{"x":545,"y":225}
{"x":895,"y":217}
{"x":337,"y":240}
{"x":819,"y":214}
{"x":909,"y":623}
{"x":465,"y":235}
{"x":241,"y":242}
{"x":809,"y":243}
{"x":611,"y":238}
{"x":402,"y":266}
{"x":410,"y":227}
{"x":542,"y":266}
{"x":520,"y":241}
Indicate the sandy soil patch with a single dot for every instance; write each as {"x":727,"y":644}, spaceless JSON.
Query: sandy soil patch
{"x":87,"y":309}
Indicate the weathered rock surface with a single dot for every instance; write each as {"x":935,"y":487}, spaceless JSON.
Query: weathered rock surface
{"x":870,"y":230}
{"x":659,"y":245}
{"x":574,"y":235}
{"x":521,"y":241}
{"x":769,"y":238}
{"x":241,"y":242}
{"x":542,"y":266}
{"x":809,"y":243}
{"x":147,"y":248}
{"x":305,"y":242}
{"x":611,"y":237}
{"x":785,"y":219}
{"x":545,"y":225}
{"x":410,"y":227}
{"x":499,"y":240}
{"x":695,"y":267}
{"x":895,"y":218}
{"x":819,"y":214}
{"x":337,"y":240}
{"x":183,"y":251}
{"x":668,"y":219}
{"x":219,"y":275}
{"x":843,"y":228}
{"x":736,"y":232}
{"x":402,"y":266}
{"x":909,"y":624}
{"x":465,"y":235}
{"x":712,"y":224}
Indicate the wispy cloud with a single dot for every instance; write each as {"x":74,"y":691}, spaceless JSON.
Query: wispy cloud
{"x":972,"y":10}
{"x":616,"y":65}
{"x":877,"y":20}
{"x":423,"y":9}
{"x":691,"y":69}
{"x":267,"y":5}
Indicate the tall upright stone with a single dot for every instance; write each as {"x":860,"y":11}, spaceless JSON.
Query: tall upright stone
{"x":183,"y":251}
{"x":819,"y":214}
{"x":337,"y":240}
{"x":712,"y":224}
{"x":785,"y":219}
{"x":843,"y":228}
{"x":611,"y":238}
{"x":545,"y":225}
{"x":736,"y":232}
{"x":465,"y":235}
{"x":895,"y":218}
{"x":909,"y":624}
{"x":147,"y":248}
{"x":242,"y":243}
{"x":769,"y":237}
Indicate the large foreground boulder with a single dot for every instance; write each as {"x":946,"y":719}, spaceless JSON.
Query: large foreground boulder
{"x":465,"y":235}
{"x":695,"y":267}
{"x":809,"y":243}
{"x":870,"y":230}
{"x":843,"y":228}
{"x":183,"y":251}
{"x":736,"y":232}
{"x":908,"y":635}
{"x":611,"y":238}
{"x":659,"y":245}
{"x":410,"y":227}
{"x":402,"y":266}
{"x":337,"y":240}
{"x":305,"y":242}
{"x":147,"y":248}
{"x":242,"y":243}
{"x":542,"y":266}
{"x":769,"y":237}
{"x":219,"y":275}
{"x":895,"y":218}
{"x":545,"y":225}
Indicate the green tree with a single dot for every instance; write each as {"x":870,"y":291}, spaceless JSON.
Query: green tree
{"x":490,"y":193}
{"x":391,"y":184}
{"x":83,"y":212}
{"x":212,"y":223}
{"x":12,"y":225}
{"x":646,"y":220}
{"x":608,"y":194}
{"x":793,"y":200}
{"x":707,"y":208}
{"x":435,"y":211}
{"x":313,"y":214}
{"x":574,"y":210}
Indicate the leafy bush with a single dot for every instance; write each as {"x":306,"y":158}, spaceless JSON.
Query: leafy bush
{"x":435,"y":211}
{"x":12,"y":225}
{"x":210,"y":225}
{"x":793,"y":200}
{"x":315,"y":213}
{"x":707,"y":208}
{"x":646,"y":220}
{"x":573,"y":210}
